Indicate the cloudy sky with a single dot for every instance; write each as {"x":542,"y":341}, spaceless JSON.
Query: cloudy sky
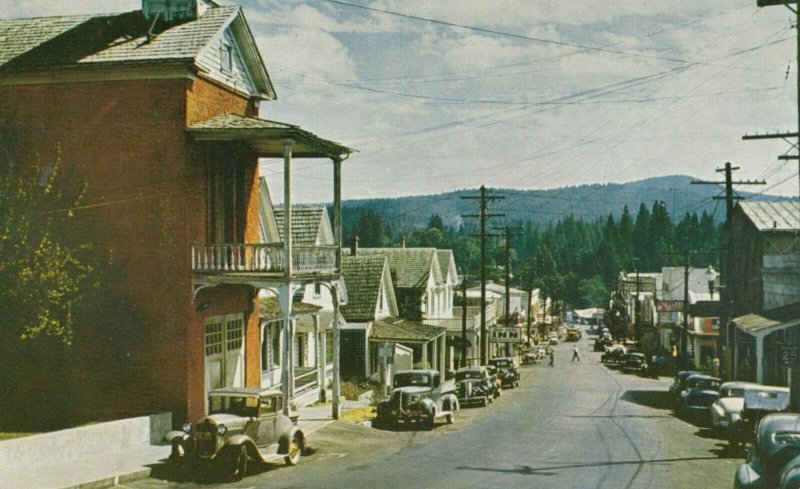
{"x":532,"y":94}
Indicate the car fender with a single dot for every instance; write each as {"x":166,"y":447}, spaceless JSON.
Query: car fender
{"x":238,"y":441}
{"x":176,"y":436}
{"x":286,"y":438}
{"x":747,"y":478}
{"x":450,"y":403}
{"x":427,"y":406}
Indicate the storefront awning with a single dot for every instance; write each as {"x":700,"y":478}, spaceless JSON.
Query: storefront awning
{"x":758,"y":325}
{"x":403,"y":330}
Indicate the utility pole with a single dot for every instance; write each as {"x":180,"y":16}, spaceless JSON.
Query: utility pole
{"x":464,"y":320}
{"x":484,"y":216}
{"x":685,"y":342}
{"x":636,"y":313}
{"x":728,"y":295}
{"x":508,"y":232}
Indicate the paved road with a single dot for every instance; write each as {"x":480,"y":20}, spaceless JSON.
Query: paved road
{"x":575,"y":425}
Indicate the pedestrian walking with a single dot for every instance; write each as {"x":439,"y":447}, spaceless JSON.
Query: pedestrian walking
{"x":552,"y":357}
{"x":576,"y":356}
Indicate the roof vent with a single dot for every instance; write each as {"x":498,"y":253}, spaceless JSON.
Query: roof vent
{"x":170,"y":12}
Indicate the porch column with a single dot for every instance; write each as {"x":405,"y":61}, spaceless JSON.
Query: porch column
{"x":336,"y":381}
{"x":337,"y":237}
{"x":759,"y":358}
{"x":287,"y":208}
{"x":285,"y":301}
{"x":735,"y":352}
{"x":319,"y":360}
{"x":425,"y":353}
{"x":442,"y":352}
{"x":435,"y":355}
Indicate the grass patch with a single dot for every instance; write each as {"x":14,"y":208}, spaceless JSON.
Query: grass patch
{"x":358,"y":415}
{"x":11,"y":436}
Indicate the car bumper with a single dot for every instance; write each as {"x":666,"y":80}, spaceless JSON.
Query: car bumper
{"x":472,"y":399}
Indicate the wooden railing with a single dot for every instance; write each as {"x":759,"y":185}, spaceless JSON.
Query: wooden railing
{"x":260,"y":257}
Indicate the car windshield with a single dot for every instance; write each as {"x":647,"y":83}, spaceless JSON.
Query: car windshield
{"x":238,"y":405}
{"x":405,"y":380}
{"x":705,"y":383}
{"x":732,"y":392}
{"x":469,"y":374}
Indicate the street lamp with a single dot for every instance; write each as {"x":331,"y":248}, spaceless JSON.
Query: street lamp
{"x":711,"y":276}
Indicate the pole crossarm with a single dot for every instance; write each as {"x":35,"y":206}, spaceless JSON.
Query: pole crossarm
{"x":767,"y":135}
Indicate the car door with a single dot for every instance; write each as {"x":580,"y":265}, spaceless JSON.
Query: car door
{"x":268,"y":413}
{"x":436,"y":391}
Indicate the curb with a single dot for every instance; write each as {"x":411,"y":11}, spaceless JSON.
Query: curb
{"x":105,"y":482}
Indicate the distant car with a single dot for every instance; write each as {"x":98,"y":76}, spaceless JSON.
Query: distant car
{"x":507,"y":370}
{"x":242,"y":424}
{"x":634,"y":362}
{"x":696,"y":400}
{"x":679,"y":384}
{"x":599,"y":345}
{"x":774,"y":461}
{"x":474,"y":386}
{"x":573,"y":334}
{"x":613,"y":354}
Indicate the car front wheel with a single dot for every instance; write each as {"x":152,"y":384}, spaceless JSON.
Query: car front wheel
{"x":238,"y":467}
{"x":295,"y":448}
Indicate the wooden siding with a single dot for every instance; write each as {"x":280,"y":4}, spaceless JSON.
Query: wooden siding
{"x":210,"y":61}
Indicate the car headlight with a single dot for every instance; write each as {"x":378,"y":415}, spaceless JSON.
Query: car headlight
{"x":221,"y":429}
{"x":187,"y":427}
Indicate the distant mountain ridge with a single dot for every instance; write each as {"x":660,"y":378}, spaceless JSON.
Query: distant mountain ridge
{"x":588,"y":202}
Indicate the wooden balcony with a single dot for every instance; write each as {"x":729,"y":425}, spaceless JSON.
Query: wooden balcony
{"x":259,"y":258}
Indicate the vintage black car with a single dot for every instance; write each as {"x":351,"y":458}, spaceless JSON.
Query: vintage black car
{"x":419,"y":396}
{"x":474,"y":386}
{"x":242,"y":424}
{"x":634,"y":362}
{"x":774,"y":461}
{"x":506,"y":370}
{"x":679,"y":384}
{"x":696,"y":400}
{"x":757,"y":403}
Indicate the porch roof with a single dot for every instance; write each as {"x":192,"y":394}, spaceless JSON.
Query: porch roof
{"x":397,"y":329}
{"x":270,"y":309}
{"x":266,"y":137}
{"x":769,"y":321}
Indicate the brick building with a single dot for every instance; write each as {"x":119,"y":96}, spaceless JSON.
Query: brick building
{"x":156,"y":112}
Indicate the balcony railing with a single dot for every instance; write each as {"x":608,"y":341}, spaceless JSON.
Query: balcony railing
{"x":261,"y":258}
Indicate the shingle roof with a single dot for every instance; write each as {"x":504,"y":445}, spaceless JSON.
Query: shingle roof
{"x":773,"y":216}
{"x":306,"y":222}
{"x":270,"y":308}
{"x":392,"y":328}
{"x":93,"y":39}
{"x":362,"y":276}
{"x":411,"y":266}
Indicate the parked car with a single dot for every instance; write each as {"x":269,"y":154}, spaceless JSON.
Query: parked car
{"x":696,"y":400}
{"x":679,"y":384}
{"x":599,"y":345}
{"x":727,"y":410}
{"x":418,"y":396}
{"x":552,"y":338}
{"x":573,"y":334}
{"x":613,"y":354}
{"x":474,"y":386}
{"x":507,"y":370}
{"x":533,"y":357}
{"x":494,"y":377}
{"x":774,"y":461}
{"x":242,"y":424}
{"x":634,"y":362}
{"x":758,"y":403}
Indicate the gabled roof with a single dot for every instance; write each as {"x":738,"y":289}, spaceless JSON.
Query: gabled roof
{"x":307,"y":225}
{"x":396,"y":329}
{"x":772,"y":216}
{"x":411,"y":266}
{"x":363,"y":276}
{"x":121,"y":39}
{"x":447,"y":264}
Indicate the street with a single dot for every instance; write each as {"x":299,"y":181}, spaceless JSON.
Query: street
{"x":575,"y":425}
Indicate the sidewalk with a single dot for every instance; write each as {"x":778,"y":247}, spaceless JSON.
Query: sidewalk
{"x":115,"y":468}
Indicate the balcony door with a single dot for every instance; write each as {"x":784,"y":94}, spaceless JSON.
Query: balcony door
{"x":224,"y":348}
{"x":226,"y":195}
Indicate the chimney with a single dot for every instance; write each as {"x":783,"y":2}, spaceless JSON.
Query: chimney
{"x":403,"y":241}
{"x":170,"y":12}
{"x":354,"y":246}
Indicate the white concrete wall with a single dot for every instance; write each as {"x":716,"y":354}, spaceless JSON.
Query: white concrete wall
{"x":78,"y":443}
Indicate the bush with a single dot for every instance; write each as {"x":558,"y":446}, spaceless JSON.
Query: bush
{"x":349,"y":390}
